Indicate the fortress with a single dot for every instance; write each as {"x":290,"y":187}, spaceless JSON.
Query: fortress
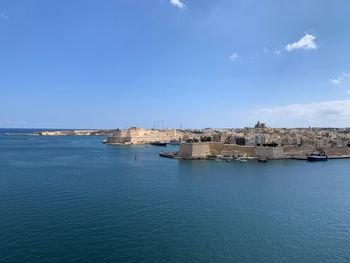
{"x":203,"y":150}
{"x":142,"y":136}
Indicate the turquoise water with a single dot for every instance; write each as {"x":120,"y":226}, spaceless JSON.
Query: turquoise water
{"x":73,"y":199}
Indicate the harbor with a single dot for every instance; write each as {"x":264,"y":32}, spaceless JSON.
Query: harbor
{"x":107,"y":195}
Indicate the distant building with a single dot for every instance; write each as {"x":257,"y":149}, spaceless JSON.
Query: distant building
{"x":220,"y":137}
{"x":259,"y":139}
{"x":260,"y":125}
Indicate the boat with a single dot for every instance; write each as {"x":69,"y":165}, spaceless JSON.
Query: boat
{"x":104,"y":141}
{"x":240,"y":159}
{"x":175,"y":142}
{"x":158,"y":143}
{"x":317,"y":157}
{"x":262,"y":159}
{"x":173,"y":155}
{"x":211,"y":157}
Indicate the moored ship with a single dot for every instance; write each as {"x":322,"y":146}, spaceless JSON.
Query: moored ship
{"x":159,"y":143}
{"x":317,"y":157}
{"x":262,"y":159}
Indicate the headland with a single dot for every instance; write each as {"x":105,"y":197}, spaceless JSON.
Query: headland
{"x":259,"y":142}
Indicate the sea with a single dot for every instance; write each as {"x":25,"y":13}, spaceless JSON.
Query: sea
{"x":74,"y":199}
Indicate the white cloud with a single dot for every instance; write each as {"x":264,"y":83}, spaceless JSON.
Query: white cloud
{"x":178,"y":3}
{"x":234,"y":56}
{"x":277,"y":51}
{"x":307,"y":42}
{"x":339,"y":79}
{"x":335,"y":113}
{"x":336,"y":81}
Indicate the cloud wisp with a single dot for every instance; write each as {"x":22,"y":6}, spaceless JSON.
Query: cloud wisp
{"x":307,"y":42}
{"x":340,"y":79}
{"x":336,"y":81}
{"x":234,"y":56}
{"x":275,"y":51}
{"x":178,"y":4}
{"x":335,"y":113}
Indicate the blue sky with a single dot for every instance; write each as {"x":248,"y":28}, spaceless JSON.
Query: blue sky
{"x":199,"y":63}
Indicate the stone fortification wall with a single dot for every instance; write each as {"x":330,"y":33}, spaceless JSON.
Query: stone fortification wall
{"x":120,"y":136}
{"x":194,"y":150}
{"x":139,"y":136}
{"x":303,"y":151}
{"x":270,"y":152}
{"x":218,"y":148}
{"x":337,"y":151}
{"x":298,"y":152}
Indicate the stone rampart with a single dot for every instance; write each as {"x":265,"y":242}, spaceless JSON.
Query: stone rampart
{"x":194,"y":150}
{"x":139,"y":136}
{"x":218,"y":148}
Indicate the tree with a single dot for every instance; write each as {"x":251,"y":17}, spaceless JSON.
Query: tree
{"x":193,"y":140}
{"x":240,"y":141}
{"x":206,"y":138}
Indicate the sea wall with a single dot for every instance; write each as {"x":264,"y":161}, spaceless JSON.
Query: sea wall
{"x":270,"y":152}
{"x":337,"y":151}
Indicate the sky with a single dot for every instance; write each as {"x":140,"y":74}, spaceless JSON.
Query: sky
{"x":188,"y":63}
